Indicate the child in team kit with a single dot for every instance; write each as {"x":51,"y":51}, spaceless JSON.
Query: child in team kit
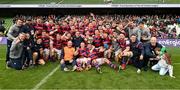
{"x":164,"y":64}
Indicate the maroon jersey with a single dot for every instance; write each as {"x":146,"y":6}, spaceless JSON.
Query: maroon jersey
{"x":106,"y":41}
{"x":83,"y":52}
{"x":39,"y":28}
{"x":100,"y":54}
{"x":97,"y":41}
{"x":94,"y":54}
{"x":81,"y":29}
{"x":50,"y":27}
{"x":91,"y":30}
{"x":64,"y":42}
{"x":45,"y":41}
{"x":123,"y":44}
{"x":65,"y":29}
{"x":109,"y":31}
{"x":57,"y":44}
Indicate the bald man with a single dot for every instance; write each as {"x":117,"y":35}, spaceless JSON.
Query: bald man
{"x":150,"y":52}
{"x":67,"y":57}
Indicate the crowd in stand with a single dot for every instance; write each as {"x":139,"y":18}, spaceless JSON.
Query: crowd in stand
{"x":86,"y":41}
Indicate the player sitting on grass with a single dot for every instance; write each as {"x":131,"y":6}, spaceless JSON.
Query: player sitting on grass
{"x":164,"y":64}
{"x":97,"y":57}
{"x":67,"y":57}
{"x":83,"y":62}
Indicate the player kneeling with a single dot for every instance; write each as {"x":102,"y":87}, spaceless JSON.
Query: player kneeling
{"x":164,"y":64}
{"x":38,"y":53}
{"x":83,"y":62}
{"x":124,"y":56}
{"x":124,"y":53}
{"x":97,"y":57}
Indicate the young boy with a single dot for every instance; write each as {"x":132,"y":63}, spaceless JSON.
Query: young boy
{"x":164,"y":64}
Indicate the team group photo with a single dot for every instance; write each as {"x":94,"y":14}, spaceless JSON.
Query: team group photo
{"x":89,"y":48}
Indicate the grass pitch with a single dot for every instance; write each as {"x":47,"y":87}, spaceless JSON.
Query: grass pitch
{"x":109,"y":79}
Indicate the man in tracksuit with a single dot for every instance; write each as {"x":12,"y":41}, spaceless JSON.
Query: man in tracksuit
{"x":16,"y":52}
{"x":12,"y":34}
{"x":138,"y":52}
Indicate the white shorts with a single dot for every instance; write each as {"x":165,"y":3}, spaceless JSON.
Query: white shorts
{"x":117,"y":52}
{"x":58,"y":51}
{"x":46,"y":51}
{"x":82,"y":60}
{"x":100,"y":61}
{"x":129,"y":53}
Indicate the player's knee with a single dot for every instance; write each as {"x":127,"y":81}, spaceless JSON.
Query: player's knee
{"x":153,"y":68}
{"x":62,"y":62}
{"x":162,"y":73}
{"x":106,"y":60}
{"x":35,"y":54}
{"x":93,"y":62}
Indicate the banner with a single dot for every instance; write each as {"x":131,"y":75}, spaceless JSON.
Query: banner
{"x":170,"y":42}
{"x":3,"y":40}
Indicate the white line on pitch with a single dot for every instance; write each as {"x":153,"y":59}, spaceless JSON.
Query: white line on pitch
{"x":45,"y":78}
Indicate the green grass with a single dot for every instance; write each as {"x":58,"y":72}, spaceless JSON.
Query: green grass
{"x":87,"y":1}
{"x":110,"y":79}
